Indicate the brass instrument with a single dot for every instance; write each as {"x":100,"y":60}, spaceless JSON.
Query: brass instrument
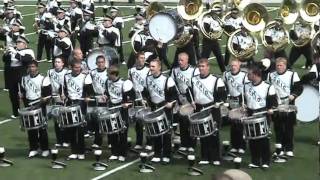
{"x":275,"y":37}
{"x":210,"y":25}
{"x":255,"y":17}
{"x":154,"y":8}
{"x":309,"y":10}
{"x":225,"y":20}
{"x":190,"y":9}
{"x":185,"y":36}
{"x":289,"y":11}
{"x":241,"y":4}
{"x":315,"y":43}
{"x":303,"y":32}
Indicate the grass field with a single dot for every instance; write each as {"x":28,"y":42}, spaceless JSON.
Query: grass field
{"x":305,"y":166}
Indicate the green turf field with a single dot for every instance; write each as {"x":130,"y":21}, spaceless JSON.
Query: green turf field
{"x":305,"y":166}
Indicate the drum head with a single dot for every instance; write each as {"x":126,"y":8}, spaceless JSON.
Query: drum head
{"x":162,"y":27}
{"x":308,"y":104}
{"x":109,"y":53}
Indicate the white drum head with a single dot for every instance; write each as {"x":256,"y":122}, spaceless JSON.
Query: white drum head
{"x":91,"y":59}
{"x":308,"y":104}
{"x":162,"y":27}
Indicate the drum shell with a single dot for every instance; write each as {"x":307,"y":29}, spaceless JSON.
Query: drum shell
{"x":202,"y":124}
{"x":70,"y":116}
{"x":140,"y":114}
{"x":32,"y":118}
{"x":255,"y":127}
{"x":287,"y":108}
{"x":156,"y":123}
{"x":110,"y":122}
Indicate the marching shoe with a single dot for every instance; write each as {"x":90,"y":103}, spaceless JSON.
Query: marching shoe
{"x":216,"y":163}
{"x":233,"y":150}
{"x":137,"y":147}
{"x":166,"y":160}
{"x":32,"y":154}
{"x":289,"y":154}
{"x":13,"y":116}
{"x":265,"y":166}
{"x":241,"y":151}
{"x":203,"y":162}
{"x":122,"y":158}
{"x":149,"y":148}
{"x":155,"y":159}
{"x":190,"y":149}
{"x":182,"y":149}
{"x":57,"y":145}
{"x":95,"y":146}
{"x":65,"y":145}
{"x":72,"y":156}
{"x":112,"y":157}
{"x":251,"y":165}
{"x":81,"y":156}
{"x":45,"y":153}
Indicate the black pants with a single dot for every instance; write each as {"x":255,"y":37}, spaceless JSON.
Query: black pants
{"x":131,"y":60}
{"x":139,"y":134}
{"x":297,"y":51}
{"x":284,"y":129}
{"x":226,"y":54}
{"x":260,"y":151}
{"x":213,"y":45}
{"x":15,"y":75}
{"x":236,"y":135}
{"x":44,"y":42}
{"x":86,"y":43}
{"x":60,"y":134}
{"x":184,"y":124}
{"x":190,"y":50}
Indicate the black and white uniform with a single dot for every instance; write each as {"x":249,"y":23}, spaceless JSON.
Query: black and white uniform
{"x":52,"y":6}
{"x":182,"y":78}
{"x":86,"y":31}
{"x":259,"y":97}
{"x":88,"y":4}
{"x":207,"y":91}
{"x":16,"y":62}
{"x":138,"y":77}
{"x":160,"y":90}
{"x":57,"y":81}
{"x":118,"y":92}
{"x":75,"y":19}
{"x":75,"y":87}
{"x":234,"y":84}
{"x":62,"y":48}
{"x":97,"y":90}
{"x":31,"y":87}
{"x":119,"y":23}
{"x":231,"y":24}
{"x":286,"y":84}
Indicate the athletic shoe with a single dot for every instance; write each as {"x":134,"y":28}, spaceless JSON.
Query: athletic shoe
{"x":32,"y":154}
{"x":203,"y":162}
{"x":233,"y":150}
{"x":216,"y":163}
{"x":65,"y":145}
{"x":81,"y":156}
{"x":265,"y":166}
{"x":95,"y":146}
{"x":251,"y":165}
{"x":155,"y":159}
{"x":6,"y":90}
{"x":279,"y":160}
{"x":57,"y":145}
{"x":13,"y":117}
{"x":241,"y":151}
{"x":138,"y":147}
{"x":166,"y":160}
{"x":72,"y":156}
{"x":182,"y":148}
{"x":190,"y":149}
{"x":112,"y":157}
{"x":123,"y":62}
{"x":109,"y":146}
{"x":122,"y":158}
{"x":45,"y":153}
{"x":86,"y":135}
{"x":289,"y":154}
{"x":149,"y":148}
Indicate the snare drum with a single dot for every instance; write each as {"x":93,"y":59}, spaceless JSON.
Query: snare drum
{"x":202,"y":124}
{"x":53,"y":111}
{"x":111,"y":122}
{"x":32,"y":118}
{"x":156,"y":123}
{"x":237,"y":114}
{"x":140,"y":114}
{"x":70,"y":116}
{"x":186,"y":109}
{"x":255,"y":127}
{"x":286,"y":108}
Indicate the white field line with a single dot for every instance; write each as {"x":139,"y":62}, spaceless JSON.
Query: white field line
{"x":5,"y":121}
{"x":24,"y":15}
{"x":116,"y":169}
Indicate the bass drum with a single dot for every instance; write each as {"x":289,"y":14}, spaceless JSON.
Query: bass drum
{"x":308,"y":104}
{"x":166,"y":26}
{"x":109,"y":53}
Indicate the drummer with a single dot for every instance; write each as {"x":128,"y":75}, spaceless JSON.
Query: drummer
{"x":32,"y":90}
{"x":182,"y":76}
{"x":235,"y":80}
{"x":56,"y":76}
{"x":138,"y":75}
{"x":97,"y":89}
{"x":259,"y":96}
{"x":288,"y":88}
{"x":74,"y":90}
{"x":208,"y":90}
{"x":160,"y":91}
{"x":119,"y":92}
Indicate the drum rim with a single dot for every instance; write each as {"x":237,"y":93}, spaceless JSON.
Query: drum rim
{"x":254,"y":119}
{"x":28,"y":111}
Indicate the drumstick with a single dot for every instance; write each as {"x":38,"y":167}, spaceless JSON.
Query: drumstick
{"x":89,"y":99}
{"x":162,"y":107}
{"x":116,"y":107}
{"x":209,"y":107}
{"x":192,"y":100}
{"x":263,"y":112}
{"x":36,"y":101}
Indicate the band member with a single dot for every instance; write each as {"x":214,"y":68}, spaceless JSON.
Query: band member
{"x":88,"y":4}
{"x":138,"y":75}
{"x":52,"y":6}
{"x":62,"y":20}
{"x":44,"y":24}
{"x":259,"y":96}
{"x":98,"y":76}
{"x":75,"y":14}
{"x":182,"y":76}
{"x":313,"y":77}
{"x":32,"y":89}
{"x":75,"y":89}
{"x":56,"y":76}
{"x":288,"y":88}
{"x":207,"y":90}
{"x":87,"y":27}
{"x":62,"y":45}
{"x":119,"y":92}
{"x":235,"y":80}
{"x":77,"y":56}
{"x":160,"y":91}
{"x":16,"y":60}
{"x":118,"y":23}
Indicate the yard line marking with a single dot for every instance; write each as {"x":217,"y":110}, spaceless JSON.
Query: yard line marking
{"x":1,"y":70}
{"x":116,"y":169}
{"x":5,"y":121}
{"x":24,"y":15}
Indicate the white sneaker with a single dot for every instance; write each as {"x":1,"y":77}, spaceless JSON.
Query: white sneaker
{"x":182,"y":148}
{"x":281,"y":153}
{"x":233,"y":150}
{"x":190,"y":149}
{"x":289,"y":153}
{"x":81,"y":156}
{"x":138,"y":147}
{"x":149,"y":148}
{"x":112,"y":157}
{"x":45,"y":153}
{"x":86,"y":135}
{"x":109,"y":146}
{"x":251,"y":165}
{"x":72,"y":156}
{"x":65,"y":145}
{"x":124,"y":62}
{"x":121,"y":159}
{"x":13,"y":117}
{"x":216,"y":163}
{"x":166,"y":160}
{"x":57,"y":145}
{"x":241,"y":151}
{"x":203,"y":162}
{"x":155,"y":159}
{"x":265,"y":166}
{"x":279,"y":160}
{"x":95,"y":146}
{"x":303,"y":67}
{"x":6,"y":90}
{"x":32,"y":154}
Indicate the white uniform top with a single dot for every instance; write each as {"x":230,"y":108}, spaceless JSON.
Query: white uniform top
{"x":214,"y":25}
{"x":283,"y":82}
{"x":101,"y":38}
{"x":57,"y":51}
{"x":117,"y":88}
{"x":51,"y":4}
{"x":75,"y":85}
{"x":99,"y":79}
{"x":88,"y":25}
{"x":9,"y":41}
{"x":62,"y":23}
{"x":117,"y":20}
{"x":15,"y":62}
{"x":74,"y":11}
{"x":235,"y":82}
{"x":138,"y":77}
{"x":157,"y":86}
{"x":142,"y":38}
{"x":275,"y":35}
{"x":315,"y":70}
{"x":56,"y":79}
{"x":32,"y":86}
{"x":205,"y":88}
{"x":183,"y":77}
{"x":256,"y":95}
{"x":87,"y":3}
{"x":234,"y":22}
